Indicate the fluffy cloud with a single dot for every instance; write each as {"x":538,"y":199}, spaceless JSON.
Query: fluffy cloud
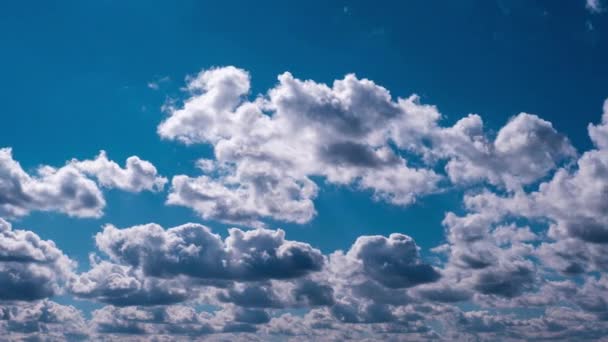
{"x":524,"y":150}
{"x":41,"y":321}
{"x":123,"y":286}
{"x":138,"y":175}
{"x":193,"y":250}
{"x":62,"y":189}
{"x":30,"y":268}
{"x":68,"y":189}
{"x":532,"y":232}
{"x":349,"y":133}
{"x":489,"y":259}
{"x":393,"y":262}
{"x":152,"y":266}
{"x":267,"y":150}
{"x":572,"y":202}
{"x":246,"y":273}
{"x":381,"y":287}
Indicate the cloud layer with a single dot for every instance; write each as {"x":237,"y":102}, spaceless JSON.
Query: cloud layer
{"x":523,"y":258}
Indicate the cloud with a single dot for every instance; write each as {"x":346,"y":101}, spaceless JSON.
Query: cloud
{"x":573,"y":202}
{"x":176,"y":321}
{"x":531,"y":234}
{"x":68,"y":189}
{"x":41,"y":321}
{"x":354,"y":133}
{"x":260,"y":192}
{"x":525,"y":150}
{"x":485,"y":257}
{"x":169,"y":320}
{"x":138,"y":175}
{"x":30,"y":268}
{"x":267,"y":150}
{"x":258,"y":285}
{"x":156,"y":84}
{"x":193,"y":250}
{"x":123,"y":286}
{"x":394,"y":261}
{"x":63,"y":189}
{"x":599,"y":133}
{"x":594,"y":6}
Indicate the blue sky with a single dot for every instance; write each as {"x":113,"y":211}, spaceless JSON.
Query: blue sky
{"x":81,"y":77}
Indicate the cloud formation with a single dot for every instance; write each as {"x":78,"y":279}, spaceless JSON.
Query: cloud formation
{"x":42,"y":321}
{"x":68,"y":189}
{"x":30,"y":268}
{"x":62,"y":189}
{"x":193,"y":250}
{"x":138,"y":175}
{"x":350,"y":133}
{"x":532,"y":231}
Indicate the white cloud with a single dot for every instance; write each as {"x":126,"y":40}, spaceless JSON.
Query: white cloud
{"x":69,"y":189}
{"x":63,"y":189}
{"x":138,"y":175}
{"x":599,"y":133}
{"x":511,"y":248}
{"x":349,"y":133}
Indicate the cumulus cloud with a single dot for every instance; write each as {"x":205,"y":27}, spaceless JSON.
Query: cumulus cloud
{"x":256,"y":282}
{"x":531,"y":233}
{"x":41,"y":321}
{"x":572,"y":203}
{"x":30,"y":268}
{"x":489,"y":259}
{"x":63,"y":189}
{"x":524,"y":150}
{"x":350,"y":133}
{"x":123,"y":286}
{"x":193,"y":250}
{"x":268,"y":149}
{"x":68,"y":189}
{"x":394,"y":261}
{"x":138,"y":175}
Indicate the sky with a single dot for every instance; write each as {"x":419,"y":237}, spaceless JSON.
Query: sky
{"x":318,"y":170}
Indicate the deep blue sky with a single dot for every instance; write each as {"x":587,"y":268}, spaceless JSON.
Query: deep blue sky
{"x":75,"y":80}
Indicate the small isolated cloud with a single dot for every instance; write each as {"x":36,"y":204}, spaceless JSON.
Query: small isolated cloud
{"x":156,"y":84}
